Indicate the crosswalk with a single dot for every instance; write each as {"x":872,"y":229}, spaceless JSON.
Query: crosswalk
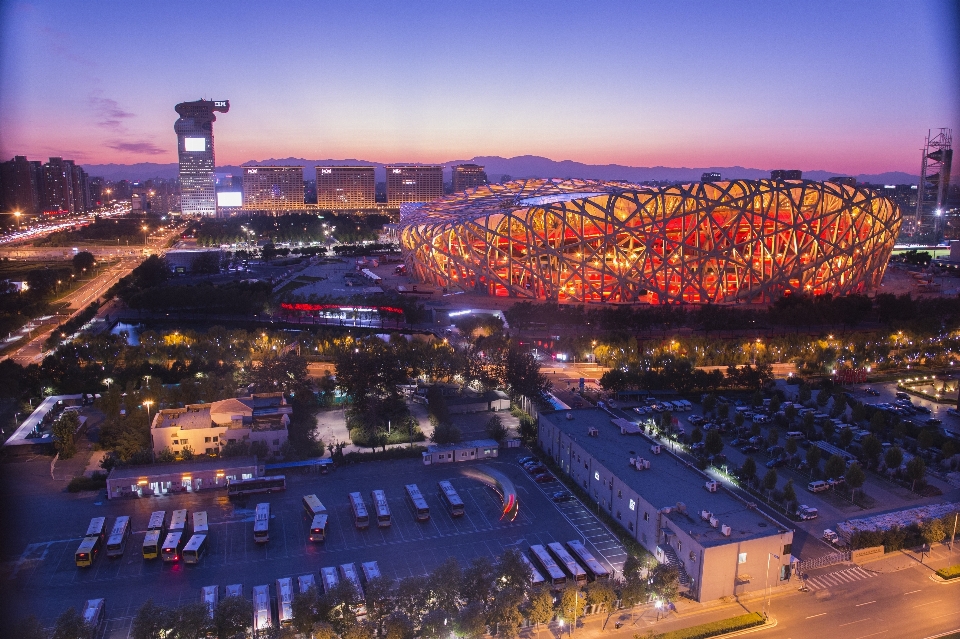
{"x":833,"y":579}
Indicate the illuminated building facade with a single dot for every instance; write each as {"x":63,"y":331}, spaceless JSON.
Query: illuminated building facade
{"x":413,"y":183}
{"x":194,"y":131}
{"x":468,"y":176}
{"x":346,"y":187}
{"x":594,"y":241}
{"x":272,"y":188}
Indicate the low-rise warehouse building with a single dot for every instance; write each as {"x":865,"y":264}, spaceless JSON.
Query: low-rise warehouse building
{"x":464,"y":451}
{"x":185,"y":477}
{"x":722,"y":545}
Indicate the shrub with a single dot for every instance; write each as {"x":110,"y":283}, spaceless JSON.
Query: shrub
{"x":715,"y":628}
{"x":96,"y":482}
{"x":950,"y":572}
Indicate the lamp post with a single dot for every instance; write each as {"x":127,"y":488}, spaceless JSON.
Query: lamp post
{"x":145,"y":234}
{"x":17,"y":215}
{"x":148,"y":403}
{"x":766,"y":604}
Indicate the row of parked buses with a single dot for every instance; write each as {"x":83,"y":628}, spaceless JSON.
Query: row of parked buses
{"x":160,"y":541}
{"x":330,"y":578}
{"x":578,"y":564}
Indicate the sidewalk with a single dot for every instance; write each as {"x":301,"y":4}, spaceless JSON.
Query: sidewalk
{"x":939,"y":556}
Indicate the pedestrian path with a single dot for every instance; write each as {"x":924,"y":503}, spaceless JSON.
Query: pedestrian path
{"x":838,"y":578}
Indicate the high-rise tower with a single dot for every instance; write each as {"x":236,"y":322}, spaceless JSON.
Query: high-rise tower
{"x":194,"y":131}
{"x":934,"y":176}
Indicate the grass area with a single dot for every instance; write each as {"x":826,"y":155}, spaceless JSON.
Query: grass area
{"x":714,"y":628}
{"x":950,"y":572}
{"x":97,"y":482}
{"x":10,"y":269}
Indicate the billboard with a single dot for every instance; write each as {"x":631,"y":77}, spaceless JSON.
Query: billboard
{"x":229,"y":198}
{"x":194,"y":144}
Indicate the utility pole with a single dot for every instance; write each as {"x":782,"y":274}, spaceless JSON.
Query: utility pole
{"x":955,"y":515}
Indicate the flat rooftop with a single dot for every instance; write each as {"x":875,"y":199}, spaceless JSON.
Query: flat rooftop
{"x":668,"y":481}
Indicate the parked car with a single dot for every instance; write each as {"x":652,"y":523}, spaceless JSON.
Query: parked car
{"x":871,"y":391}
{"x":698,"y":447}
{"x":750,"y":448}
{"x":831,"y":536}
{"x":562,"y":496}
{"x":818,"y":486}
{"x":524,"y":460}
{"x":777,"y":463}
{"x":775,"y":451}
{"x":543,"y":478}
{"x":539,"y":468}
{"x":756,"y":440}
{"x":806,"y":512}
{"x":933,"y":421}
{"x":921,"y":409}
{"x":695,"y":420}
{"x":838,"y":482}
{"x":738,"y":441}
{"x":718,"y":460}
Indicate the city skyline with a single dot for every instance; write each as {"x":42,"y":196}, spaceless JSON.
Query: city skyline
{"x":811,"y":86}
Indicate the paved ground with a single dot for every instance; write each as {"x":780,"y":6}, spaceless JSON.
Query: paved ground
{"x":42,"y":579}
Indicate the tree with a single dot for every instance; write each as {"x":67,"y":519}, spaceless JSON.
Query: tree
{"x":505,"y":614}
{"x":70,"y":626}
{"x":470,"y":622}
{"x":714,"y":443}
{"x":398,"y":626}
{"x":633,"y":568}
{"x":738,"y":419}
{"x":872,"y":449}
{"x":188,"y":621}
{"x":835,"y":467}
{"x":379,"y":598}
{"x":773,"y":437}
{"x":723,"y":411}
{"x":770,"y":480}
{"x":846,"y":437}
{"x":29,"y":628}
{"x":433,"y":625}
{"x":665,"y":582}
{"x":854,"y":477}
{"x":357,"y":630}
{"x":477,"y":582}
{"x":933,"y":531}
{"x":696,"y":436}
{"x":789,"y":493}
{"x":231,"y":618}
{"x":893,"y":458}
{"x":791,"y":446}
{"x":149,"y":622}
{"x":916,"y":471}
{"x":540,"y":607}
{"x":749,"y":469}
{"x":496,"y":430}
{"x":323,"y":630}
{"x":813,"y":458}
{"x":304,"y":608}
{"x":600,"y":595}
{"x":444,"y":586}
{"x":709,"y":403}
{"x":512,"y":572}
{"x":84,"y":260}
{"x":64,"y":431}
{"x":878,"y":422}
{"x":572,"y":604}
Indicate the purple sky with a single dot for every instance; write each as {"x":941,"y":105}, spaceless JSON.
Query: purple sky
{"x":844,"y":86}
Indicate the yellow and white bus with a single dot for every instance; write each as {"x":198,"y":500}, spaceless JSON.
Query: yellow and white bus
{"x":348,"y":572}
{"x":285,"y":601}
{"x":573,"y":568}
{"x":383,"y":509}
{"x":552,"y":571}
{"x":200,"y":523}
{"x":158,"y":520}
{"x":261,"y":524}
{"x":151,"y":544}
{"x":178,"y":522}
{"x":210,"y":597}
{"x":420,"y":508}
{"x":195,"y":549}
{"x":117,"y":540}
{"x":306,"y":582}
{"x":87,"y":551}
{"x":172,"y":545}
{"x":318,"y":528}
{"x":450,"y":498}
{"x":330,"y":578}
{"x":360,"y":517}
{"x":97,"y":528}
{"x":262,"y":619}
{"x":234,"y":590}
{"x":313,"y":506}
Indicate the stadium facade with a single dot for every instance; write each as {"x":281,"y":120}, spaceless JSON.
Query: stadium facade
{"x":593,"y":241}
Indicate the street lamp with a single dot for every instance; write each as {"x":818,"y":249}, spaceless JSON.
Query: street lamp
{"x":17,"y":215}
{"x":766,"y":580}
{"x":148,"y":403}
{"x":144,"y":234}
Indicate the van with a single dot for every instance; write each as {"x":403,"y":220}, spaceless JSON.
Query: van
{"x":818,"y":486}
{"x":902,"y":395}
{"x":93,"y":616}
{"x":795,"y":434}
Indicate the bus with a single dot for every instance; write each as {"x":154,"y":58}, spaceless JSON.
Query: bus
{"x":210,"y":596}
{"x":383,"y":509}
{"x":551,"y":569}
{"x":93,"y":616}
{"x":118,"y":537}
{"x":330,"y":578}
{"x":158,"y":520}
{"x":261,"y":524}
{"x":318,"y":528}
{"x":574,"y":569}
{"x":306,"y":582}
{"x":420,"y":508}
{"x":178,"y":522}
{"x":172,"y":545}
{"x":348,"y":572}
{"x":200,"y":523}
{"x":313,"y":506}
{"x":240,"y":487}
{"x":235,"y":590}
{"x":370,"y":570}
{"x":151,"y":544}
{"x":595,"y":569}
{"x":360,"y":518}
{"x":87,"y":551}
{"x":97,"y":528}
{"x":450,"y":497}
{"x":261,"y":608}
{"x":535,"y":577}
{"x":194,"y":550}
{"x":285,"y":601}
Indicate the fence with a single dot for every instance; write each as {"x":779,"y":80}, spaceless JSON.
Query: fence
{"x":826,"y":560}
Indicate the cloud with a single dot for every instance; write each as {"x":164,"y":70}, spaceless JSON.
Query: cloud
{"x":141,"y":147}
{"x":109,"y":113}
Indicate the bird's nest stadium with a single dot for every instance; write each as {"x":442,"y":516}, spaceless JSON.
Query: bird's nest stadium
{"x":704,"y":242}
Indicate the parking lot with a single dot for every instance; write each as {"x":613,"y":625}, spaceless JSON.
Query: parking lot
{"x":44,"y":579}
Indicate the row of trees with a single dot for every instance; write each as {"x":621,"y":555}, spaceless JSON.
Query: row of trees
{"x":680,"y":375}
{"x":289,"y":229}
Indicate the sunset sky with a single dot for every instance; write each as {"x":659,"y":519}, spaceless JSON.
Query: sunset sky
{"x":838,"y":85}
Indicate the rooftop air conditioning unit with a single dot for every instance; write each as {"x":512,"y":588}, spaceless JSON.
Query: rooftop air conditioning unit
{"x":593,"y":432}
{"x":569,"y":415}
{"x":714,"y":522}
{"x":633,"y":461}
{"x":655,"y":449}
{"x":725,"y":530}
{"x":705,"y":515}
{"x":681,"y":507}
{"x":666,"y":510}
{"x":712,"y":486}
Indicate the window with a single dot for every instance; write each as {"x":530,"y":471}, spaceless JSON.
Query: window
{"x":276,"y":442}
{"x":184,"y":441}
{"x":742,"y":558}
{"x":633,"y":506}
{"x":646,"y":516}
{"x":596,"y":476}
{"x":231,"y":441}
{"x":618,"y":514}
{"x":215,"y":438}
{"x":586,"y":466}
{"x":206,"y":440}
{"x":679,"y":545}
{"x":787,"y":549}
{"x":630,"y":526}
{"x":209,"y":451}
{"x":619,"y":494}
{"x":176,"y":442}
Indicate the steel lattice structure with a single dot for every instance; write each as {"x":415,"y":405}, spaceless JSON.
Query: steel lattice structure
{"x":593,"y":241}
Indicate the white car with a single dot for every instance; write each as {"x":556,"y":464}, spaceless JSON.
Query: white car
{"x":806,"y":512}
{"x":831,"y":536}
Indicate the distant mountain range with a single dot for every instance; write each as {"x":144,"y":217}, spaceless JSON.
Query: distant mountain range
{"x":523,"y":166}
